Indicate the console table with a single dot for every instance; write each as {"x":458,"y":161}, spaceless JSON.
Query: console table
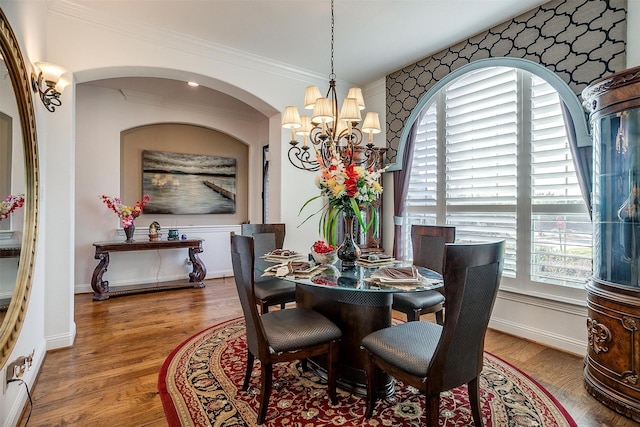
{"x":9,"y":252}
{"x":101,"y":287}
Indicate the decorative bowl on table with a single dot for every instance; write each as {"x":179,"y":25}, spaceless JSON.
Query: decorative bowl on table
{"x":323,"y":253}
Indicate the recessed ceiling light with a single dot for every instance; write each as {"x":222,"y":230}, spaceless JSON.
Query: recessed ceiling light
{"x":193,"y":84}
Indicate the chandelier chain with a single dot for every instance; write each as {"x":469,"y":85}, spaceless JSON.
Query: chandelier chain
{"x":332,"y":76}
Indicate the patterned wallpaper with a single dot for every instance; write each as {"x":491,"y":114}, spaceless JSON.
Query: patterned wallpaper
{"x":579,"y":40}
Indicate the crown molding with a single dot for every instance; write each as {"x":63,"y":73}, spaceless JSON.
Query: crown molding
{"x":378,"y":87}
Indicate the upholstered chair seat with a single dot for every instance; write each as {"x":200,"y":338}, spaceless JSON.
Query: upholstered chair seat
{"x":417,"y":301}
{"x":409,"y":346}
{"x":288,"y":330}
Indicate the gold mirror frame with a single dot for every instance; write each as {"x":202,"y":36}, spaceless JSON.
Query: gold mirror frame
{"x":10,"y":50}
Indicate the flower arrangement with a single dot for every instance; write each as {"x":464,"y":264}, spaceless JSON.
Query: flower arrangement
{"x":10,"y":204}
{"x":347,"y":189}
{"x":126,"y":213}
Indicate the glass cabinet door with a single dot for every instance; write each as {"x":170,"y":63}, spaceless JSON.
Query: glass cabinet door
{"x":616,"y":198}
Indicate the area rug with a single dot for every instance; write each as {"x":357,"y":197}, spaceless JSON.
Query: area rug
{"x":200,"y":381}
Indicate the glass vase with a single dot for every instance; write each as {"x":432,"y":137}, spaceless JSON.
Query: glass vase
{"x":349,"y":251}
{"x":128,"y":231}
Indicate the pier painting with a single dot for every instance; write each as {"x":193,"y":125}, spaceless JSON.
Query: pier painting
{"x":188,"y":183}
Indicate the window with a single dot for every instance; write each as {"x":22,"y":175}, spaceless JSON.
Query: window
{"x":491,"y":157}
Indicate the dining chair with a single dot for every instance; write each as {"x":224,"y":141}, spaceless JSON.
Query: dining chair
{"x":269,"y":291}
{"x":435,"y":358}
{"x":428,"y":243}
{"x":282,"y":335}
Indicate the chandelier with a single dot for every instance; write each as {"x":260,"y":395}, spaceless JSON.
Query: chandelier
{"x":326,"y":131}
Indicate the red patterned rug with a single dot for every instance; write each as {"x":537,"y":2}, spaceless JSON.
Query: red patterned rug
{"x":200,"y":380}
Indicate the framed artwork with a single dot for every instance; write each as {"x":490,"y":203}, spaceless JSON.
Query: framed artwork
{"x":188,"y":183}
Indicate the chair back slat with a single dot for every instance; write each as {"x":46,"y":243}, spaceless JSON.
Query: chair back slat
{"x":428,"y":243}
{"x":266,"y":237}
{"x":278,"y":230}
{"x":471,"y":279}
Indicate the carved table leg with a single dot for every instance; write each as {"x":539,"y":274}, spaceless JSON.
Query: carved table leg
{"x":199,"y":271}
{"x":100,"y":287}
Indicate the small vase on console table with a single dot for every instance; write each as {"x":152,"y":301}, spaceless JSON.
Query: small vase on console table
{"x":128,"y":231}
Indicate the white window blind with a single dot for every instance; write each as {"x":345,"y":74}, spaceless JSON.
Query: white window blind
{"x":561,"y":231}
{"x":491,"y":158}
{"x":422,"y":195}
{"x":481,"y":157}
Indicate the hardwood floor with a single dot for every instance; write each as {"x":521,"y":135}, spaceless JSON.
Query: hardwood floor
{"x":109,"y":377}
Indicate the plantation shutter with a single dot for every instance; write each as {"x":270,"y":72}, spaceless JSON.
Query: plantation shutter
{"x":561,"y":232}
{"x":481,"y":156}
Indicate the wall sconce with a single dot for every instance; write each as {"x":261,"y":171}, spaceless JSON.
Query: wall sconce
{"x":53,"y":85}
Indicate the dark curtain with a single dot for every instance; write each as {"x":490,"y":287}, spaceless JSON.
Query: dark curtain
{"x":401,"y":187}
{"x":582,"y":158}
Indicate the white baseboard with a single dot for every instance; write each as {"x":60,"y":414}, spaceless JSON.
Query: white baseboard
{"x":62,"y":340}
{"x":550,"y":339}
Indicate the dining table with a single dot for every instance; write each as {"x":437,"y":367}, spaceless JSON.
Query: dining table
{"x":358,"y":304}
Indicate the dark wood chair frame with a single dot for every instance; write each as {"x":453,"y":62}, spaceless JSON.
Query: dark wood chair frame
{"x":285,"y":292}
{"x":430,"y":256}
{"x":471,"y":275}
{"x":242,"y":254}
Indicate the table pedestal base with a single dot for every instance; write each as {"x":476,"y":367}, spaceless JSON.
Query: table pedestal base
{"x":357,"y":314}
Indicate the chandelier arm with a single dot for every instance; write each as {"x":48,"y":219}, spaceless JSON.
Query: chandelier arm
{"x":326,"y":153}
{"x":301,"y":158}
{"x":354,"y":139}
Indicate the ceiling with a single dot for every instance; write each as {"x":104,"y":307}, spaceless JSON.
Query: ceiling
{"x":372,"y":38}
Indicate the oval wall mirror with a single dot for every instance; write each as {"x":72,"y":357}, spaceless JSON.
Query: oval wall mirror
{"x":18,"y":166}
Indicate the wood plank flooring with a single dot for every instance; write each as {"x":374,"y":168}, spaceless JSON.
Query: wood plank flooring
{"x":109,"y":377}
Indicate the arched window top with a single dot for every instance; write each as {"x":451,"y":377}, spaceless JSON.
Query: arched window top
{"x":570,"y":99}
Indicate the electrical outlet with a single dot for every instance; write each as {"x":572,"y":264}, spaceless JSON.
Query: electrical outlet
{"x":17,"y":369}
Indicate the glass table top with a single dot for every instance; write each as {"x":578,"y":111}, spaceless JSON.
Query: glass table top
{"x":359,"y":279}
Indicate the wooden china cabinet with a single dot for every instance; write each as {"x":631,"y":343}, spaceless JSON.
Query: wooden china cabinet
{"x":612,"y":364}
